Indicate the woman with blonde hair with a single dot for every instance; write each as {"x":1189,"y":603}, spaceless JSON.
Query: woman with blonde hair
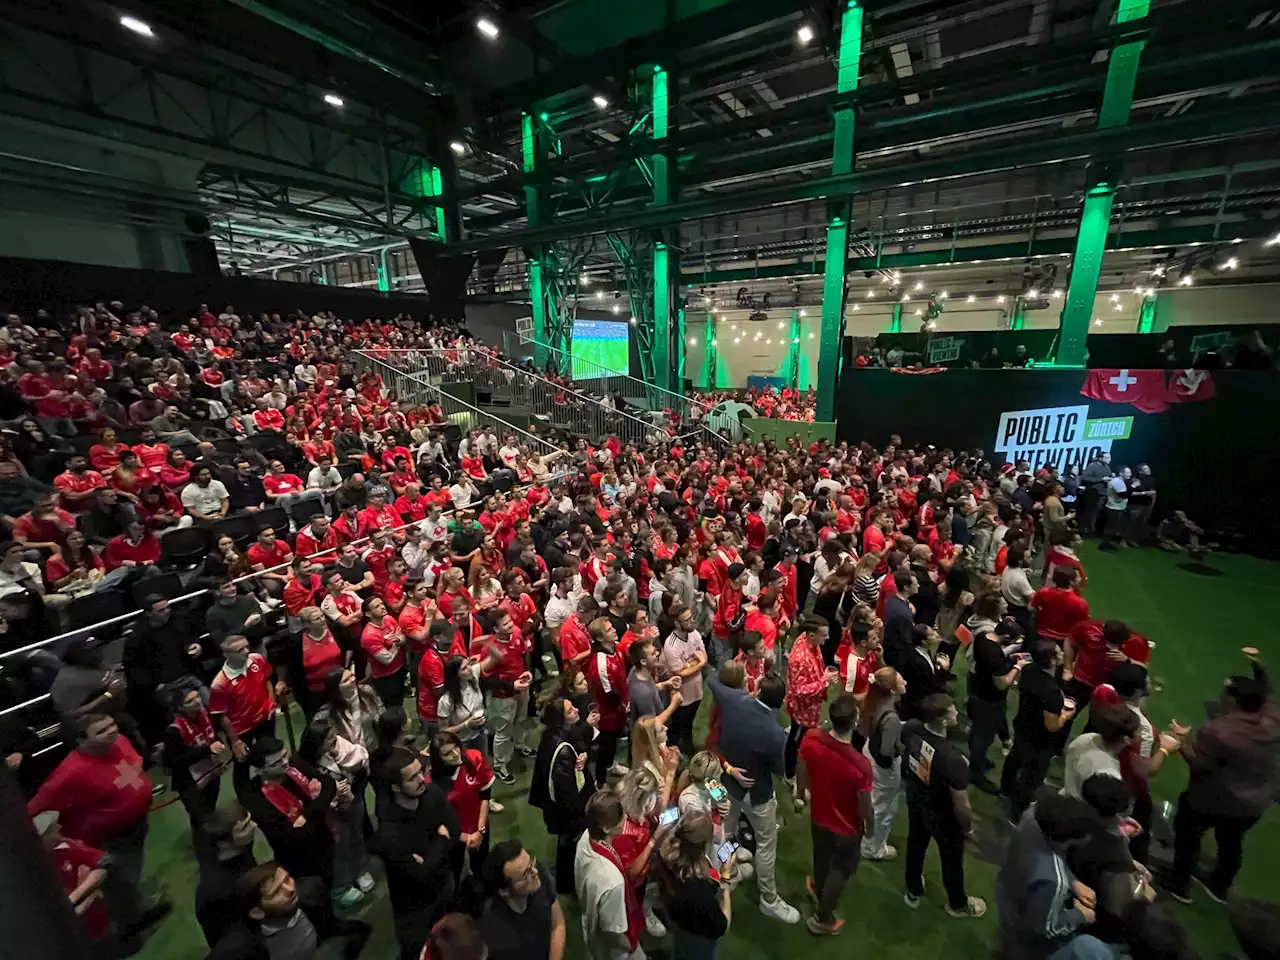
{"x":643,"y":797}
{"x":699,"y":787}
{"x":649,"y":751}
{"x":696,"y":888}
{"x":881,"y":728}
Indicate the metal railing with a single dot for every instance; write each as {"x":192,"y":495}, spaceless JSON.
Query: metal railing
{"x":563,"y":407}
{"x":409,"y":373}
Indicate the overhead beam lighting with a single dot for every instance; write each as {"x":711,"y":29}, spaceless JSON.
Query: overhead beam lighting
{"x":805,"y":34}
{"x":333,"y":100}
{"x":488,"y":28}
{"x":458,"y":147}
{"x":600,"y":101}
{"x":140,"y":27}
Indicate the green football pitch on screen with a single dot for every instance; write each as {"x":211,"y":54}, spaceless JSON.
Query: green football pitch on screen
{"x":600,"y":343}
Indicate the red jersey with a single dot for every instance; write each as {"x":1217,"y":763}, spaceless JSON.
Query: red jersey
{"x":787,"y":603}
{"x":411,"y":510}
{"x":119,"y":551}
{"x":268,"y":419}
{"x":764,"y":625}
{"x":414,"y":619}
{"x":278,"y":483}
{"x":1093,"y":665}
{"x":347,"y":530}
{"x":376,"y":559}
{"x":153,"y":457}
{"x":509,"y":668}
{"x":855,"y":671}
{"x":302,"y":593}
{"x":607,"y":680}
{"x":74,"y":861}
{"x":104,"y":460}
{"x":69,"y":482}
{"x":467,"y":789}
{"x":574,"y":639}
{"x":244,"y":698}
{"x":727,"y":610}
{"x":307,"y":544}
{"x":756,"y":531}
{"x":97,"y":797}
{"x":838,"y":775}
{"x":318,"y":658}
{"x":278,"y":554}
{"x":521,"y":613}
{"x":1058,"y":611}
{"x":376,"y":639}
{"x":430,"y":677}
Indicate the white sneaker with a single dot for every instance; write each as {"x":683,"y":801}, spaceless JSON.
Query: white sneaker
{"x":652,"y":925}
{"x":890,"y":852}
{"x":779,"y":909}
{"x":496,"y":807}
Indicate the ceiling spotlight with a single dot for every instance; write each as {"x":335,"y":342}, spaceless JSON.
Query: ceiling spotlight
{"x":1186,"y":280}
{"x":333,"y":100}
{"x":1033,"y":294}
{"x":811,"y":336}
{"x":919,"y":286}
{"x":1057,"y":294}
{"x":971,"y":299}
{"x":942,"y":295}
{"x":1000,"y":299}
{"x":616,"y":308}
{"x":805,"y":33}
{"x":1097,"y":321}
{"x":458,"y":147}
{"x":870,"y":294}
{"x":1230,"y":264}
{"x":714,"y":341}
{"x":1159,"y":270}
{"x":1115,"y":298}
{"x":140,"y":27}
{"x":804,"y":313}
{"x":600,"y":101}
{"x":856,"y":306}
{"x":769,"y":341}
{"x":1274,"y":241}
{"x":919,"y":312}
{"x":1119,"y":306}
{"x":693,"y":341}
{"x":737,"y":339}
{"x":897,"y":276}
{"x":488,"y":28}
{"x":599,"y":294}
{"x":796,"y":340}
{"x":905,"y":298}
{"x":633,"y":321}
{"x":930,"y":325}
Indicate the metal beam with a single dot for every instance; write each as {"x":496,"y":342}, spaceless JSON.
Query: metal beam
{"x":1263,"y":114}
{"x":1095,"y":218}
{"x":848,"y":62}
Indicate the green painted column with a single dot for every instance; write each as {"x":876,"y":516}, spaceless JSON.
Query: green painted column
{"x":1018,"y":316}
{"x":1095,"y":218}
{"x":793,"y":358}
{"x":668,"y":325}
{"x":536,"y":254}
{"x":838,"y":213}
{"x":1149,"y":320}
{"x":707,"y":381}
{"x":895,"y":322}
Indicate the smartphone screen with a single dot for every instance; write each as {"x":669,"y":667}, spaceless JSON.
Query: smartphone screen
{"x":717,"y":792}
{"x":726,"y":850}
{"x":668,"y":816}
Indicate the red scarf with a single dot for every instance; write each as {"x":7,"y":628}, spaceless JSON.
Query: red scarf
{"x":287,"y":801}
{"x":635,"y":915}
{"x":197,"y":732}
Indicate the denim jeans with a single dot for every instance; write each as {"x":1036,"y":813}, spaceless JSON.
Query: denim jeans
{"x":886,"y":794}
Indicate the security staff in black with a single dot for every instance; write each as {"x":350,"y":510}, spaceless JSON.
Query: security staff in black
{"x":936,"y":775}
{"x":1037,"y":727}
{"x":994,"y":670}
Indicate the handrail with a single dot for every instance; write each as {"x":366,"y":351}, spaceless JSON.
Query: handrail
{"x":444,"y":399}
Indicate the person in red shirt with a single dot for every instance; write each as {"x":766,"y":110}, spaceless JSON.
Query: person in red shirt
{"x":104,"y":456}
{"x":574,"y":638}
{"x":136,"y":547}
{"x":81,"y":869}
{"x":378,"y":515}
{"x":606,"y":674}
{"x":835,"y":779}
{"x":376,"y":556}
{"x":350,"y":525}
{"x":858,"y":658}
{"x":102,"y":795}
{"x":1092,"y":649}
{"x":507,"y":689}
{"x":284,"y":489}
{"x":1058,"y":607}
{"x":467,"y":778}
{"x":152,"y":453}
{"x":76,"y":486}
{"x":241,"y":697}
{"x":441,"y":645}
{"x":304,"y":587}
{"x":45,"y":526}
{"x":321,"y":655}
{"x":729,"y":606}
{"x":383,"y":643}
{"x":266,"y":419}
{"x":411,"y":505}
{"x":318,"y":540}
{"x":270,"y":551}
{"x":787,"y":585}
{"x":761,"y":619}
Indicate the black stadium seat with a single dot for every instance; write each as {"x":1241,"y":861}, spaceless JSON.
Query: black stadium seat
{"x":274,"y":517}
{"x":304,"y":510}
{"x":184,"y":549}
{"x":167,"y":585}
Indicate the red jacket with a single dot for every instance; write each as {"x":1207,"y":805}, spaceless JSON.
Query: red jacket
{"x":607,"y":681}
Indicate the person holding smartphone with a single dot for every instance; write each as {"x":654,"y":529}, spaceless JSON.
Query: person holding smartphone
{"x":697,"y":886}
{"x":994,"y":669}
{"x":1042,"y":714}
{"x":704,"y":793}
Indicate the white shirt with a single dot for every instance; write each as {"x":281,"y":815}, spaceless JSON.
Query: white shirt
{"x":1016,"y":587}
{"x":9,"y":582}
{"x":508,"y":456}
{"x":306,"y":372}
{"x":462,"y":496}
{"x":1115,"y":490}
{"x":206,"y":500}
{"x":602,"y":899}
{"x":1086,"y":756}
{"x":317,"y":479}
{"x":675,"y":655}
{"x":558,"y":610}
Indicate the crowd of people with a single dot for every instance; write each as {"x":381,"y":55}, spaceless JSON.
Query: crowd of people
{"x":788,"y":403}
{"x":400,"y":619}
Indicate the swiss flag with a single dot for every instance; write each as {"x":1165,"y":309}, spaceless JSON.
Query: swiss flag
{"x":1188,"y":386}
{"x":1144,"y":389}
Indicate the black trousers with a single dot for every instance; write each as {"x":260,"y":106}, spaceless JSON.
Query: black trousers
{"x":458,"y":856}
{"x":835,"y":859}
{"x":987,"y":720}
{"x":794,"y":736}
{"x":390,"y":688}
{"x":606,"y":751}
{"x":566,"y":851}
{"x":680,"y":729}
{"x":1189,"y":825}
{"x":921,"y":828}
{"x":1023,"y":773}
{"x":1140,"y":846}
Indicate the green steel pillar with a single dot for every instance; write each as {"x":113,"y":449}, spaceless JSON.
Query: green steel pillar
{"x":838,"y":213}
{"x":1018,"y":315}
{"x":1149,"y":318}
{"x":537,"y":255}
{"x":1095,"y":218}
{"x":793,"y":357}
{"x":668,"y":326}
{"x":384,"y":270}
{"x":707,"y":379}
{"x":895,"y":322}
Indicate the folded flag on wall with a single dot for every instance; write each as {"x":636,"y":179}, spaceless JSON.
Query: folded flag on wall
{"x":1149,"y":391}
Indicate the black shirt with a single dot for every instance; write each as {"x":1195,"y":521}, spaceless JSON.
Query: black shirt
{"x":694,"y":906}
{"x":353,"y":574}
{"x":989,"y":662}
{"x":1038,"y":693}
{"x":931,"y":768}
{"x":243,"y":491}
{"x":520,"y":936}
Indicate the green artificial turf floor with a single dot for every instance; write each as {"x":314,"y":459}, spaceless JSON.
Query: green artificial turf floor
{"x":1198,"y":624}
